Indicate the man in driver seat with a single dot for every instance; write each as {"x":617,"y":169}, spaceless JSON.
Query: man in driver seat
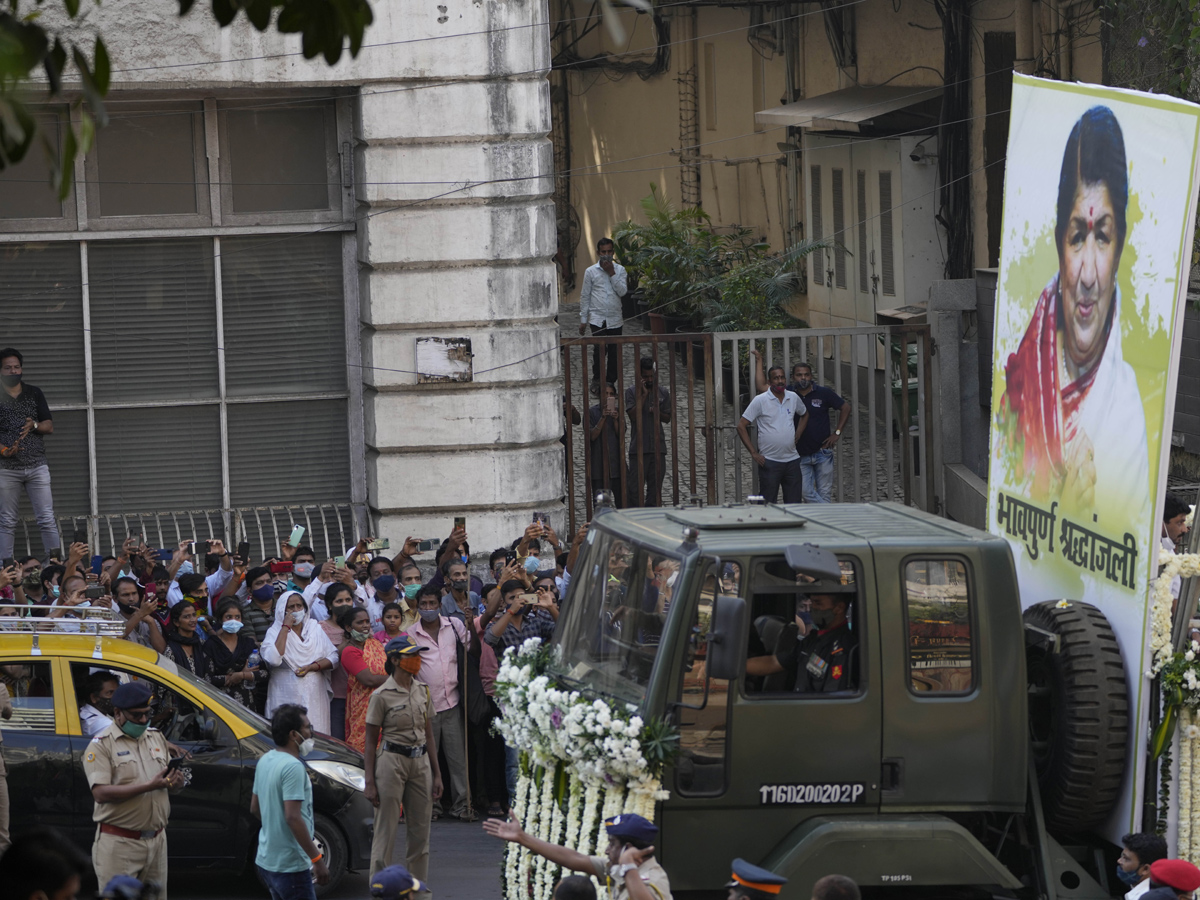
{"x":826,"y":659}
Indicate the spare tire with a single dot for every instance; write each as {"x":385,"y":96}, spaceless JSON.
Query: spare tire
{"x":1078,"y":714}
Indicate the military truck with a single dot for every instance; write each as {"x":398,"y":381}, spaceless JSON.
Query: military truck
{"x":962,"y":748}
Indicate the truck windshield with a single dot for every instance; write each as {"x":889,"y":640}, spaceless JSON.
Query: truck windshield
{"x":608,"y":634}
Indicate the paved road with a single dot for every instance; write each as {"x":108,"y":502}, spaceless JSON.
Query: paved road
{"x":464,"y":865}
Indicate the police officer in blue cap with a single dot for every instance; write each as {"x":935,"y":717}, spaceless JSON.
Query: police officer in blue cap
{"x":750,"y":882}
{"x":628,"y":868}
{"x":396,"y":883}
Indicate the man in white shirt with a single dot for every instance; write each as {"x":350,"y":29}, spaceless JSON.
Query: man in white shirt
{"x":774,"y":413}
{"x":1138,"y":852}
{"x":96,"y":714}
{"x":604,"y":284}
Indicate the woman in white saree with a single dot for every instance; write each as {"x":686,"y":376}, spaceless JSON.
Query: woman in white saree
{"x":300,"y":657}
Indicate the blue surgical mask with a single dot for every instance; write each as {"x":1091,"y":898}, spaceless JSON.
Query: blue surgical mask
{"x":466,"y":559}
{"x":410,"y":591}
{"x":429,"y":615}
{"x":55,"y":590}
{"x":266,"y":592}
{"x":532,"y":564}
{"x":185,"y":568}
{"x":1128,"y":878}
{"x":384,"y":583}
{"x":231,"y":626}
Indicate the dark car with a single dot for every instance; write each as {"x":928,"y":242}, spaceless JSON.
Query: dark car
{"x":210,"y":825}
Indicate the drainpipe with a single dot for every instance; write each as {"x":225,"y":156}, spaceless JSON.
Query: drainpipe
{"x":1023,"y":27}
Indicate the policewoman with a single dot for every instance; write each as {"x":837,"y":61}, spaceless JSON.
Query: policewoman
{"x":402,"y":770}
{"x":628,"y":868}
{"x":126,"y":768}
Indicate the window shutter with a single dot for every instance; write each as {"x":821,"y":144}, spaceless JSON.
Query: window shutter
{"x":154,"y":320}
{"x":818,"y":227}
{"x":887,"y":259}
{"x":283,"y":303}
{"x":293,"y":450}
{"x":839,"y":228}
{"x":861,"y":191}
{"x":41,"y":295}
{"x":67,"y":458}
{"x":167,"y":458}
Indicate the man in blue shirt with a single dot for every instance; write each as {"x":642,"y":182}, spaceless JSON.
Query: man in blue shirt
{"x":816,"y":444}
{"x":288,"y":858}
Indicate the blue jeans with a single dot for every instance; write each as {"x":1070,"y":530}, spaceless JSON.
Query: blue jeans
{"x":36,"y":482}
{"x":289,"y":885}
{"x":774,"y":475}
{"x":818,"y":476}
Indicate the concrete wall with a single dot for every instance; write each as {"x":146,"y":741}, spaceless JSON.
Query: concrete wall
{"x":447,"y":93}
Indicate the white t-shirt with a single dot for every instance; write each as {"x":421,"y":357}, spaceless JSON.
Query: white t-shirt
{"x":775,"y":420}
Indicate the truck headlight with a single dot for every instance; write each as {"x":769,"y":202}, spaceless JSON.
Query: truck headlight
{"x":350,"y":776}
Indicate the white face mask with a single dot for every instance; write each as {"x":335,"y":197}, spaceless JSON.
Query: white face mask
{"x":298,"y":617}
{"x":306,"y":746}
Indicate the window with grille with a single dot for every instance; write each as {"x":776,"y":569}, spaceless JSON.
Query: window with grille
{"x":817,"y":226}
{"x":839,"y":228}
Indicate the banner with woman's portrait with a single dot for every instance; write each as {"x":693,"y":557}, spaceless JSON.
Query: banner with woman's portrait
{"x":1099,"y":206}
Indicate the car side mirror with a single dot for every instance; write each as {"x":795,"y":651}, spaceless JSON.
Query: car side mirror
{"x":726,"y":638}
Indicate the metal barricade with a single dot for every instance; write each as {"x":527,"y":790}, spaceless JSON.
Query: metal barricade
{"x":672,"y":471}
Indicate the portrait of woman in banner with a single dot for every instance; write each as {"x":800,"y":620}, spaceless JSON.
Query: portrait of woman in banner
{"x":1072,"y":415}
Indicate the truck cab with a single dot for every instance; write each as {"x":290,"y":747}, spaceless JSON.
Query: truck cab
{"x":914,"y":770}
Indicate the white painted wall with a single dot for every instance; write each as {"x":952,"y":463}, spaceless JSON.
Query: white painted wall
{"x":449,"y":93}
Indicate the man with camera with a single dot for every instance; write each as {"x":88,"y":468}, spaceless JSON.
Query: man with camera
{"x":24,"y":421}
{"x":604,"y":284}
{"x":525,"y":615}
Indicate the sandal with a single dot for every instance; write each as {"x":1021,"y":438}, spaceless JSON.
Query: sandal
{"x":435,"y":815}
{"x":466,"y":816}
{"x":495,"y":811}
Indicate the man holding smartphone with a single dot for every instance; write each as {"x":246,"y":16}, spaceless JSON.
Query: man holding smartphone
{"x":24,"y":421}
{"x":604,"y":284}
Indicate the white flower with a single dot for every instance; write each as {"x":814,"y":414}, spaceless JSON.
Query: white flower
{"x":1192,"y":732}
{"x":1061,"y":604}
{"x":1190,"y":656}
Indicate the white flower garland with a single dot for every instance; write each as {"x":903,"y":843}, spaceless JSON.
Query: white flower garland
{"x":599,"y":744}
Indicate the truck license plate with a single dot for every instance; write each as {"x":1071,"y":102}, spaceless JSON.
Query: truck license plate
{"x":828,"y":794}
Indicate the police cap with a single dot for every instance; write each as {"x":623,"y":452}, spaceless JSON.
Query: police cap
{"x":1175,"y":873}
{"x":402,"y":645}
{"x":631,"y":827}
{"x":756,"y":878}
{"x":394,"y":882}
{"x":132,"y":695}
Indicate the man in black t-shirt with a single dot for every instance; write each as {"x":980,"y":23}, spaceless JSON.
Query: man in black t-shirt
{"x":825,"y":659}
{"x":24,"y":420}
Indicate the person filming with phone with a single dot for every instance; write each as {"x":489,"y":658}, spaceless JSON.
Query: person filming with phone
{"x":25,"y":420}
{"x":604,"y":284}
{"x":628,"y":868}
{"x":524,"y":615}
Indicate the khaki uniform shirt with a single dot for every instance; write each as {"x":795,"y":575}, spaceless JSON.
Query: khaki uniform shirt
{"x":401,"y":713}
{"x":653,"y":875}
{"x":5,"y":706}
{"x":113,"y":757}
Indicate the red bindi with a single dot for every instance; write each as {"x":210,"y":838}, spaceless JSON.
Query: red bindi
{"x":1090,"y":218}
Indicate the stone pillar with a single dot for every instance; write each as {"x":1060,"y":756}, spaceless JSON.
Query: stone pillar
{"x":457,"y":234}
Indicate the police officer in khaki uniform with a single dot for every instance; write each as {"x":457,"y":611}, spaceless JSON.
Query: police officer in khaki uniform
{"x":628,"y":867}
{"x":403,"y":771}
{"x":126,"y":768}
{"x":6,"y":711}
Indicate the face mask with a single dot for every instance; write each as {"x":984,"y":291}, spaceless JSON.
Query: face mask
{"x":460,"y":585}
{"x":185,"y":568}
{"x":428,"y":615}
{"x":231,"y":626}
{"x":84,"y":605}
{"x":671,"y":581}
{"x":105,"y":706}
{"x":384,"y":584}
{"x":304,"y":570}
{"x":126,"y":609}
{"x":410,"y":591}
{"x":466,"y":559}
{"x":1128,"y":878}
{"x":778,"y":389}
{"x":411,"y":664}
{"x":823,"y":618}
{"x":133,"y":729}
{"x":359,"y":637}
{"x":55,"y":591}
{"x":10,"y":380}
{"x":532,"y":564}
{"x":306,"y":746}
{"x":266,"y":592}
{"x":33,"y":579}
{"x":297,"y":616}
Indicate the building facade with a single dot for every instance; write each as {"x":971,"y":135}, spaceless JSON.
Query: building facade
{"x":277,"y":283}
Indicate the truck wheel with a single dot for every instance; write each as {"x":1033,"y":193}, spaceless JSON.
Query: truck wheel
{"x":330,"y":841}
{"x":1078,"y":715}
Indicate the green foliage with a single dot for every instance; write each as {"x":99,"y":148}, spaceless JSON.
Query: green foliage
{"x":325,"y":27}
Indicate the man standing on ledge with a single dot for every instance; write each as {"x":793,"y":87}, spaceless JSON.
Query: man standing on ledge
{"x":24,"y":420}
{"x":604,"y":284}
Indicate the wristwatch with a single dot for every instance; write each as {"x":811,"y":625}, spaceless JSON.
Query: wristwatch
{"x":619,"y":872}
{"x":838,"y":432}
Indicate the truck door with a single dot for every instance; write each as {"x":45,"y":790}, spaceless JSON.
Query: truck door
{"x":763,"y":757}
{"x":949,"y":739}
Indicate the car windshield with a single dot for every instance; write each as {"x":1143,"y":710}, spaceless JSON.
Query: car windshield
{"x":607,"y":637}
{"x":215,"y":697}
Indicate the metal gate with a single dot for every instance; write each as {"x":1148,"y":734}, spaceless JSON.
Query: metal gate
{"x":884,"y":371}
{"x":682,"y":464}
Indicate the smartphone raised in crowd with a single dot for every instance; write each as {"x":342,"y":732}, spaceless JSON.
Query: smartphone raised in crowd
{"x":541,"y":518}
{"x":380,"y":544}
{"x":281,"y":568}
{"x":340,"y":562}
{"x":460,"y":523}
{"x":243,"y":551}
{"x":94,"y":591}
{"x":79,"y":536}
{"x":296,"y":536}
{"x":201,"y":548}
{"x":426,"y":546}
